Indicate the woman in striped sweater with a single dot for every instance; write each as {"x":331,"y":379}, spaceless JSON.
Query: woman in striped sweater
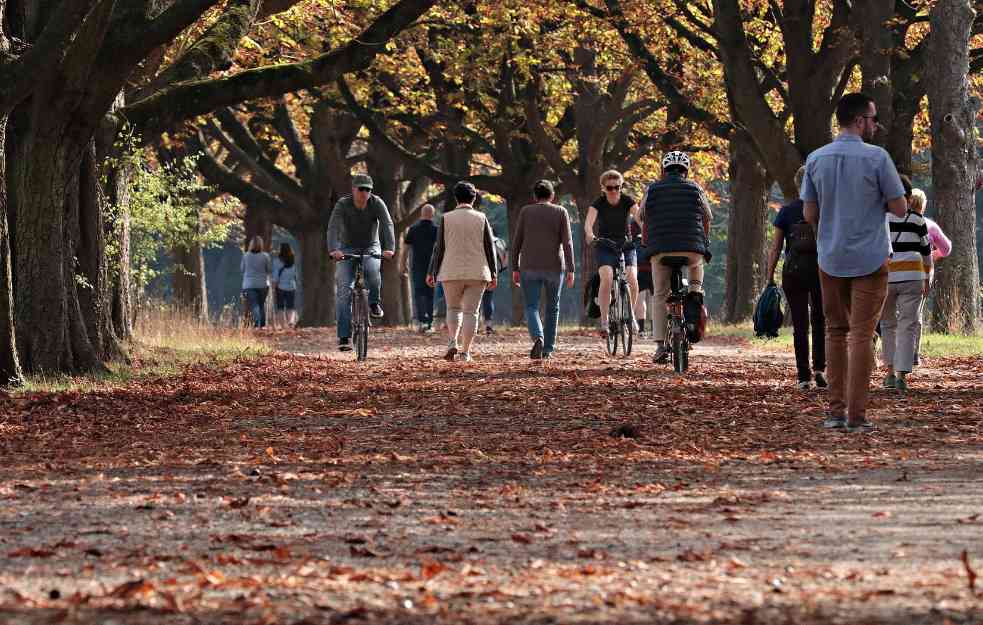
{"x":910,"y":267}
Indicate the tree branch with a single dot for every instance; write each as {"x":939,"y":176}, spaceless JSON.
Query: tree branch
{"x":285,"y":125}
{"x":184,"y":101}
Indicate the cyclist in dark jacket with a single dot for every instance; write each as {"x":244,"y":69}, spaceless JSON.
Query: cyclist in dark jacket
{"x":676,"y":223}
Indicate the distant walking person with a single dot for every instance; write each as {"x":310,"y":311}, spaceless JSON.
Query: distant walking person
{"x":285,"y":286}
{"x":848,"y":185}
{"x":541,"y":253}
{"x":464,"y":262}
{"x":356,"y":224}
{"x":256,"y":269}
{"x":419,"y":242}
{"x":488,"y":298}
{"x":800,"y":282}
{"x":941,"y":247}
{"x":908,"y":281}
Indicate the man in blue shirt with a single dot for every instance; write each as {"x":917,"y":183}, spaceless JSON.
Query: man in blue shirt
{"x":848,"y":187}
{"x":419,"y":240}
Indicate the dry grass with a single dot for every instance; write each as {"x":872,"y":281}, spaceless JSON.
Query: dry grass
{"x":165,"y":340}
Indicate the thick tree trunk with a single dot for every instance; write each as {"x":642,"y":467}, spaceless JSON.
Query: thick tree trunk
{"x":587,"y":266}
{"x":745,"y":230}
{"x":10,"y":371}
{"x":118,"y":238}
{"x":954,"y":165}
{"x":316,"y":279}
{"x":256,"y":223}
{"x":188,"y":280}
{"x":95,"y":288}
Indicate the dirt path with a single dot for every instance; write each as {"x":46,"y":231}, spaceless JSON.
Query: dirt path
{"x":311,"y":489}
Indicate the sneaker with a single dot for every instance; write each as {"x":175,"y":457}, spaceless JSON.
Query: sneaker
{"x":344,"y":344}
{"x":890,"y":381}
{"x":861,"y":427}
{"x":803,"y":385}
{"x":915,"y":361}
{"x":375,"y":311}
{"x":536,"y":352}
{"x":834,"y":423}
{"x":661,"y":355}
{"x":547,"y":355}
{"x":821,"y":380}
{"x":901,"y":384}
{"x":489,"y":330}
{"x":451,"y":352}
{"x":464,"y":356}
{"x":428,"y":329}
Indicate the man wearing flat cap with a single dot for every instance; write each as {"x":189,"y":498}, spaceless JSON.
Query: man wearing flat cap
{"x":356,"y":224}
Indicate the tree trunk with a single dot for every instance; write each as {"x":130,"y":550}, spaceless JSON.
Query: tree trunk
{"x":954,"y":165}
{"x":316,"y":279}
{"x":587,"y":266}
{"x":95,"y":289}
{"x":188,"y":280}
{"x":256,"y":223}
{"x":745,"y":230}
{"x":118,"y":238}
{"x":10,"y":371}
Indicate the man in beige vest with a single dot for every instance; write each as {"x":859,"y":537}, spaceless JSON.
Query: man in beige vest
{"x":464,"y":261}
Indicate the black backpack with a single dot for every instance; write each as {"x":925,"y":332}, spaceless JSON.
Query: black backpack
{"x":768,"y":315}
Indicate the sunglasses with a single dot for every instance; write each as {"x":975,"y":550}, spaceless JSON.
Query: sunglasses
{"x":365,"y":189}
{"x":613,"y":188}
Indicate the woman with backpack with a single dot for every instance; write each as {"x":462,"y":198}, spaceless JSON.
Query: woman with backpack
{"x":800,"y":282}
{"x":285,"y":286}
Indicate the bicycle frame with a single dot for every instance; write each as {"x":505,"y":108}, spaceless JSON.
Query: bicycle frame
{"x":360,"y":304}
{"x":621,"y":314}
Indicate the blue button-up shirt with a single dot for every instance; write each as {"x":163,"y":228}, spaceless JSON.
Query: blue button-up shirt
{"x":852,"y":182}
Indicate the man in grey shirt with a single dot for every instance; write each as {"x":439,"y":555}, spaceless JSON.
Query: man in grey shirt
{"x":847,"y":188}
{"x":355,"y":227}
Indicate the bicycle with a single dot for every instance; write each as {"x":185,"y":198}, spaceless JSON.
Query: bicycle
{"x":679,"y":344}
{"x":621,"y":315}
{"x":360,"y":305}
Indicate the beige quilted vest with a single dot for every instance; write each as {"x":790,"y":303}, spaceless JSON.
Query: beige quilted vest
{"x":464,"y":246}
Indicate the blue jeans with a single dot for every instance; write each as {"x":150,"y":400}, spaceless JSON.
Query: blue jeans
{"x":344,"y":277}
{"x":533,"y":284}
{"x":488,"y":306}
{"x":256,"y":300}
{"x":423,"y":299}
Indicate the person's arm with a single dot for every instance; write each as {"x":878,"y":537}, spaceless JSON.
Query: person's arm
{"x":386,"y":230}
{"x":636,"y":214}
{"x":438,"y":255}
{"x":890,"y":183}
{"x":776,"y":249}
{"x":336,"y":228}
{"x":926,"y":252}
{"x":707,"y":213}
{"x":589,"y":225}
{"x":490,"y":257}
{"x":518,"y":236}
{"x":810,"y":210}
{"x":567,"y":240}
{"x":941,"y":243}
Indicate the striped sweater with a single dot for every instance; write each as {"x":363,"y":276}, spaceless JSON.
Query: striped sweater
{"x":911,"y":254}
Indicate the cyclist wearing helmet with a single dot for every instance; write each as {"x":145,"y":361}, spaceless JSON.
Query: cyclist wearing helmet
{"x":676,"y":223}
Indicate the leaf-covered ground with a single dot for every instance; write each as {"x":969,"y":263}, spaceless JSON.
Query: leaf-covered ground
{"x":308,"y":488}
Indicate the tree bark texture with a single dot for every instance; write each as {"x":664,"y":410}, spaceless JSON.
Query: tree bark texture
{"x":317,"y":279}
{"x":954,"y":165}
{"x":188,"y":280}
{"x":10,"y":370}
{"x":745,"y":230}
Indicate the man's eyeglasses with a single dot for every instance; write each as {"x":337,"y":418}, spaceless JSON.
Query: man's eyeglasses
{"x":616,"y":187}
{"x":365,"y":189}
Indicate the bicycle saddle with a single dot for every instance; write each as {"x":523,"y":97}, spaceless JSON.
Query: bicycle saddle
{"x":674,"y":261}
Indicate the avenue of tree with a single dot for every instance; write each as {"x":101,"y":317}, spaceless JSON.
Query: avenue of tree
{"x":280,"y":100}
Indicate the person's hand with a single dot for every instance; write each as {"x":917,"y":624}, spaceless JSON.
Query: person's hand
{"x":493,"y":284}
{"x":337,"y":254}
{"x":589,"y":238}
{"x":388,"y":254}
{"x":515,"y":278}
{"x":430,"y":281}
{"x":570,"y":279}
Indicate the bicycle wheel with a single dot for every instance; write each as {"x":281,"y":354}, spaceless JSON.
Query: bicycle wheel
{"x":362,"y":342}
{"x":627,"y":324}
{"x":678,"y":344}
{"x":613,"y":318}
